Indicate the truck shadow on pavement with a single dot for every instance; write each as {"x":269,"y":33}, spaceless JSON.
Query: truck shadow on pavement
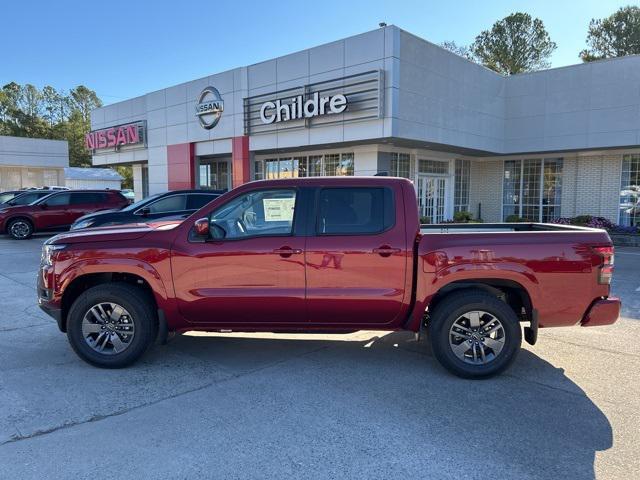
{"x":387,"y":398}
{"x":367,"y":405}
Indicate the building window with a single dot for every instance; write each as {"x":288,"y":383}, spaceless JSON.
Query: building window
{"x":346,"y":165}
{"x":400,"y":165}
{"x":630,"y":191}
{"x":433,"y":166}
{"x":532,"y":189}
{"x":258,"y":170}
{"x":461,"y":190}
{"x":214,"y":174}
{"x":335,"y":164}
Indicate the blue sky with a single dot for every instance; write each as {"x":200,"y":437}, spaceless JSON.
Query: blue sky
{"x":126,"y":48}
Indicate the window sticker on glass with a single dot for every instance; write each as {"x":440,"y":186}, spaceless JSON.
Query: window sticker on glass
{"x":278,"y":209}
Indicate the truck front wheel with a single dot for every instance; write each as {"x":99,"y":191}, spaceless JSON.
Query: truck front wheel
{"x":111,"y":325}
{"x":474,"y":334}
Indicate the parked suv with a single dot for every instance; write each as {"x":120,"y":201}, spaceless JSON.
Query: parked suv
{"x":177,"y":204}
{"x":56,"y":211}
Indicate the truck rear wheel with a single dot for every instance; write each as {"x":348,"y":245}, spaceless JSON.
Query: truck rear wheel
{"x":111,"y":325}
{"x":474,"y":334}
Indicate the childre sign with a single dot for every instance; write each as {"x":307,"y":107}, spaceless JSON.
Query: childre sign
{"x":276,"y":111}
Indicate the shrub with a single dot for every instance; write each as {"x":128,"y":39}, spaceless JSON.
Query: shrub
{"x":515,"y":219}
{"x":462,"y":217}
{"x":425,"y":220}
{"x":581,"y":220}
{"x":596,"y":222}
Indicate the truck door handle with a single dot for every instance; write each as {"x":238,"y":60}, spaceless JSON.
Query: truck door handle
{"x":287,"y":251}
{"x":386,"y":251}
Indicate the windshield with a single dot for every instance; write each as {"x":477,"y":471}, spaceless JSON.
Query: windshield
{"x":26,"y":198}
{"x":5,"y":197}
{"x":141,"y":203}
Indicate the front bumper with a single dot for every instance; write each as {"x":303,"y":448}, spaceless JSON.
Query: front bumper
{"x":46,"y":300}
{"x":603,"y":312}
{"x":55,"y":313}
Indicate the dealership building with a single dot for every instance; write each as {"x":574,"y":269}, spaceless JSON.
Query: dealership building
{"x":558,"y":142}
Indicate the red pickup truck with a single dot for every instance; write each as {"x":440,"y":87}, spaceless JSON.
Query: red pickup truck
{"x":326,"y":255}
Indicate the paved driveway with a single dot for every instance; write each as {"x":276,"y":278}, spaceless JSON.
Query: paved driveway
{"x":366,"y":405}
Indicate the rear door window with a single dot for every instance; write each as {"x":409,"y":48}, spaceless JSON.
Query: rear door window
{"x":87,"y":197}
{"x":355,"y":211}
{"x":198,"y":200}
{"x":173,"y":203}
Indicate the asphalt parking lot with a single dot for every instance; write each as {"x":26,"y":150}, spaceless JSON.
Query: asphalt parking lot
{"x":366,"y":405}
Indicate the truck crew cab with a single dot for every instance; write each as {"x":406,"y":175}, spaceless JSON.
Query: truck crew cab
{"x":326,"y":254}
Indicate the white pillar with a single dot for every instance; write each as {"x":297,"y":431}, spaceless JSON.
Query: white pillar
{"x":137,"y":181}
{"x":365,"y":161}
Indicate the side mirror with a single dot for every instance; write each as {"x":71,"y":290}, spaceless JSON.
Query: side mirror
{"x":201,"y":227}
{"x":144,"y":211}
{"x":44,"y":206}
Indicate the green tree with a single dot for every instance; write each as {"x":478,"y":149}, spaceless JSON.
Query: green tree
{"x":84,"y":100}
{"x":614,"y":36}
{"x":517,"y":43}
{"x":74,"y":131}
{"x":127,"y":174}
{"x":26,"y":111}
{"x":461,"y":50}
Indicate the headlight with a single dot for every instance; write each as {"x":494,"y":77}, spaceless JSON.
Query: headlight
{"x":83,"y":224}
{"x":48,"y":252}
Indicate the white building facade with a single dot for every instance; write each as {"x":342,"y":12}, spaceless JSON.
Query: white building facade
{"x":559,"y":142}
{"x":79,"y":178}
{"x":32,"y":162}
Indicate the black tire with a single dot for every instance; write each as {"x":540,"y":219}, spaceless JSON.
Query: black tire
{"x":455,"y":305}
{"x":141,"y":311}
{"x":24,"y":231}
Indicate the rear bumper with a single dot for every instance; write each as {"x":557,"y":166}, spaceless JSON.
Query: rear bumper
{"x":603,"y":312}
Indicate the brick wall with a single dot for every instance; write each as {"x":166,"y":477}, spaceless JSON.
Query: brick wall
{"x":590,"y":186}
{"x":486,"y":189}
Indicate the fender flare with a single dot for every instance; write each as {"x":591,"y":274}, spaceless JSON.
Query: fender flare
{"x":18,"y":215}
{"x":427,"y":290}
{"x":132,"y":266}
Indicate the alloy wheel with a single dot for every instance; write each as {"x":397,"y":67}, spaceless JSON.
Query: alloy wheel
{"x":108,"y":328}
{"x":20,"y":229}
{"x":477,"y":337}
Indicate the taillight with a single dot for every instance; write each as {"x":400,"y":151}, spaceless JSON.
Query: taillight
{"x":606,"y":264}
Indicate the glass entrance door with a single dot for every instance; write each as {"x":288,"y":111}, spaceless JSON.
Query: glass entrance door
{"x":214,"y":174}
{"x":432,"y":198}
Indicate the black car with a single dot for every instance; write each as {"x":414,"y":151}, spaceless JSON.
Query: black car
{"x":24,"y":197}
{"x":175,"y":204}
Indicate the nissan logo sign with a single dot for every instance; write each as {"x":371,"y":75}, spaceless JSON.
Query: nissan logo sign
{"x":209,"y":107}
